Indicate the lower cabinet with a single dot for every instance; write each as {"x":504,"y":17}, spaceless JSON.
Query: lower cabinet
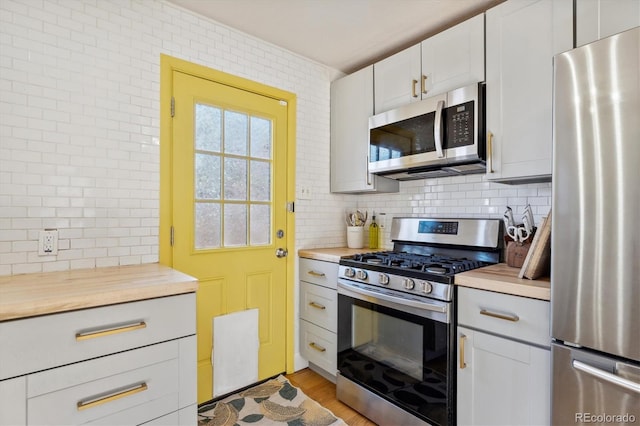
{"x":319,"y":315}
{"x":152,"y":383}
{"x":504,"y":359}
{"x":501,"y":381}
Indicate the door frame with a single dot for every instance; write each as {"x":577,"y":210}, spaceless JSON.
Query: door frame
{"x":168,"y":65}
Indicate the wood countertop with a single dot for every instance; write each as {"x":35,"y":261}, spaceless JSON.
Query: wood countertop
{"x":47,"y":293}
{"x":504,"y":279}
{"x":332,"y":254}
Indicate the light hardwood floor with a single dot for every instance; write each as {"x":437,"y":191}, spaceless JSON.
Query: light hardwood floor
{"x":324,"y":392}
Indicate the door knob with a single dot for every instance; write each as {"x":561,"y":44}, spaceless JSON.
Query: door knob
{"x":281,"y":252}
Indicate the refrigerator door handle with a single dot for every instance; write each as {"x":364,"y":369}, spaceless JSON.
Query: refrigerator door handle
{"x":606,"y":376}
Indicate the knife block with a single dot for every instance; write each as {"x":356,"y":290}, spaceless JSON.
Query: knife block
{"x":516,"y":253}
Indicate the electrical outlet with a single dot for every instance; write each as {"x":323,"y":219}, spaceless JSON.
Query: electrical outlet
{"x":48,"y":242}
{"x":304,"y":193}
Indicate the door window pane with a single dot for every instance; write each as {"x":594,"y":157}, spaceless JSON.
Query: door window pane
{"x":260,"y":181}
{"x":207,"y":177}
{"x":208,"y":128}
{"x":235,"y":179}
{"x":260,"y":137}
{"x":207,"y":226}
{"x":235,"y":225}
{"x":260,"y":225}
{"x":235,"y":133}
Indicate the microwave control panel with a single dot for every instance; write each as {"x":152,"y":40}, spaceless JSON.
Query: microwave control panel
{"x":459,"y":125}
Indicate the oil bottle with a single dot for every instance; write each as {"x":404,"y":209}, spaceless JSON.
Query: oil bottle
{"x":373,"y":233}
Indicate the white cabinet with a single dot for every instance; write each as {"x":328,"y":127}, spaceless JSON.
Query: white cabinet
{"x":319,"y":314}
{"x":351,"y":107}
{"x":398,"y":79}
{"x":126,"y":363}
{"x":522,"y":36}
{"x":454,"y":58}
{"x":451,"y":59}
{"x":503,"y":360}
{"x":597,"y":19}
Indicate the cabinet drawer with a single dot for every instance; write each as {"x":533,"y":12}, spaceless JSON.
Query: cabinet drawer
{"x":512,"y":316}
{"x":319,"y":305}
{"x":80,"y":335}
{"x":143,"y":382}
{"x":319,"y":272}
{"x":319,"y":346}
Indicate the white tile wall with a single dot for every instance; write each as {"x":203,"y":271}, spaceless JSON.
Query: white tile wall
{"x":459,"y":196}
{"x":79,"y":128}
{"x":79,"y":133}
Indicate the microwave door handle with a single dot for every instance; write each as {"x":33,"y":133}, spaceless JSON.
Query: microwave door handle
{"x":437,"y":129}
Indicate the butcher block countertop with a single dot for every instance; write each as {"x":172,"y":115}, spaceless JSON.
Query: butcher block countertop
{"x":504,"y":279}
{"x":332,"y":254}
{"x":30,"y":295}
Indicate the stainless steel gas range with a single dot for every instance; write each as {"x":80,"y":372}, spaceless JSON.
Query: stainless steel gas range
{"x":396,"y":318}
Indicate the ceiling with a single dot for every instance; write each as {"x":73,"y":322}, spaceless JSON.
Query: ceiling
{"x":342,"y":34}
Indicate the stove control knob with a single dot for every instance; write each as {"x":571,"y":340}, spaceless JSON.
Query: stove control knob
{"x":426,"y":287}
{"x":349,"y":273}
{"x":361,"y":275}
{"x":383,"y":279}
{"x":408,"y":283}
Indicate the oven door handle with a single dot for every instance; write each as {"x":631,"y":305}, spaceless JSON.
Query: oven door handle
{"x":393,"y":299}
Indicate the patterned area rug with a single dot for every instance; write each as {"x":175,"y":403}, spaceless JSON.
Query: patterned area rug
{"x":274,"y":402}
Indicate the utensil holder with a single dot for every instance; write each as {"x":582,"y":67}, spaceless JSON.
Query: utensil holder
{"x":355,"y":236}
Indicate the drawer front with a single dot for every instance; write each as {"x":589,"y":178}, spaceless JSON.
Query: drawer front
{"x":108,"y":386}
{"x":516,"y":317}
{"x":80,"y":335}
{"x":319,"y":346}
{"x":319,"y":272}
{"x":319,"y":305}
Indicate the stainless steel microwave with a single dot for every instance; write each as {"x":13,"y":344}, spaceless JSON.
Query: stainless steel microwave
{"x":439,"y":136}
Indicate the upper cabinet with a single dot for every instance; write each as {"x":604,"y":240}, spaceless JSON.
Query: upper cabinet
{"x":351,"y":107}
{"x":521,"y":39}
{"x":451,"y":59}
{"x":596,"y":19}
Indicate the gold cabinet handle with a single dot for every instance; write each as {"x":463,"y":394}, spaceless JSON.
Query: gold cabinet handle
{"x":316,"y":274}
{"x":109,"y":331}
{"x":423,"y":84}
{"x":317,"y":347}
{"x":317,"y":305}
{"x":94,"y":402}
{"x":512,"y":318}
{"x":490,"y":152}
{"x":413,"y":88}
{"x":463,"y":364}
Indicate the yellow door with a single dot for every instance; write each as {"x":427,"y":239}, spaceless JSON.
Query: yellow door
{"x":229,"y":171}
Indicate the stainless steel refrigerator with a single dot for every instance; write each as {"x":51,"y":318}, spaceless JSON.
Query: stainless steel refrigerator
{"x":595,"y":275}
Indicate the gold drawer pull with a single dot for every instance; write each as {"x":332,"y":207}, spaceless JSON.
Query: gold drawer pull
{"x":462,"y":363}
{"x":317,"y":305}
{"x":94,"y":402}
{"x":108,"y":331}
{"x":513,"y":318}
{"x":317,"y":347}
{"x":316,"y":274}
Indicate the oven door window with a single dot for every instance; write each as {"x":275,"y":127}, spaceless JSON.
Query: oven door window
{"x":399,"y":356}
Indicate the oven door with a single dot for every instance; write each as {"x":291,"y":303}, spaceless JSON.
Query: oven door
{"x":399,"y":349}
